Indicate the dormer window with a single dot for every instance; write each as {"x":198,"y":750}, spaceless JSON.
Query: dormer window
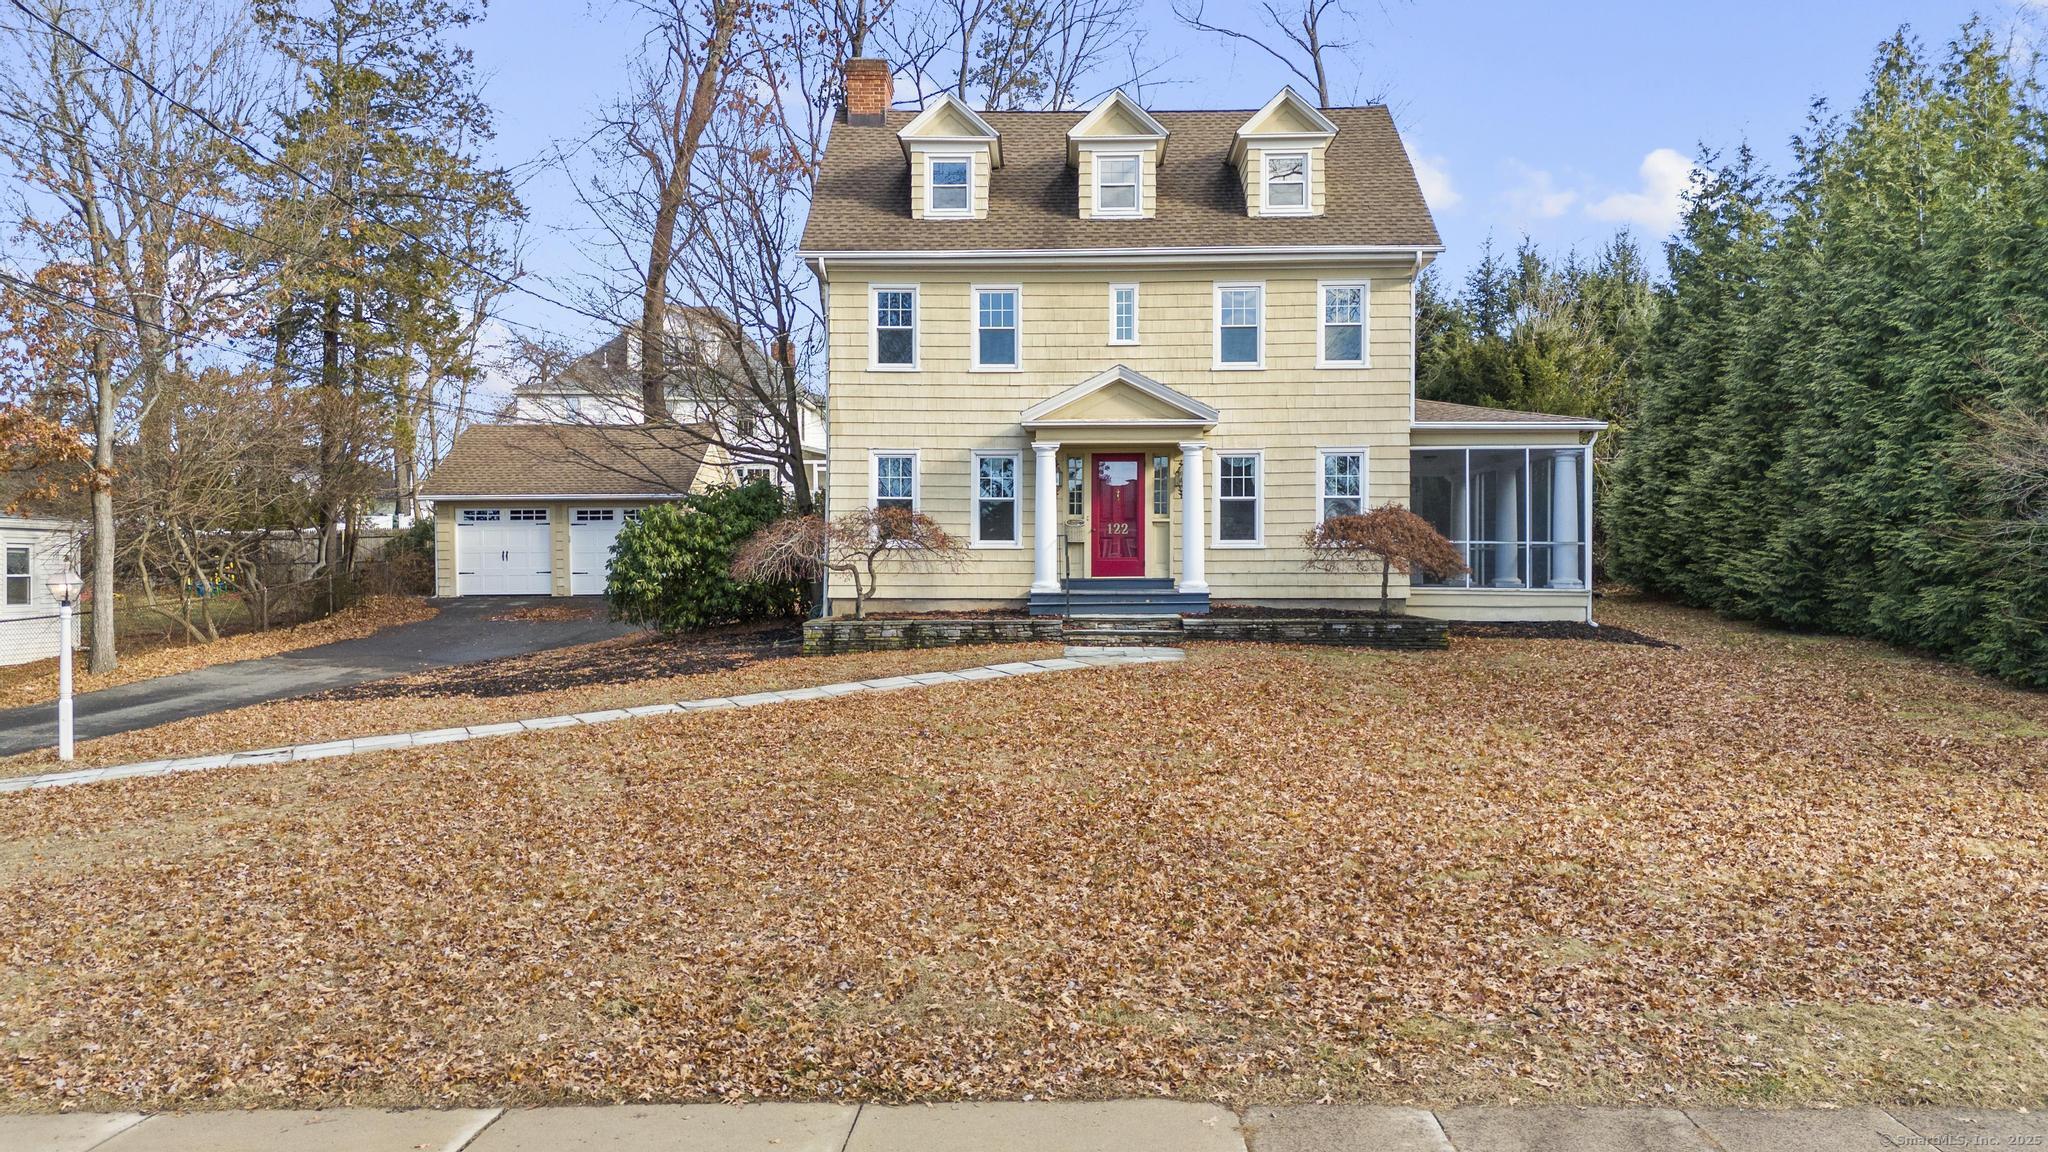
{"x":1116,"y":184}
{"x":952,"y":186}
{"x":1286,"y":182}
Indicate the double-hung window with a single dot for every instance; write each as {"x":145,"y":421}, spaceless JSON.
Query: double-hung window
{"x":995,"y":499}
{"x":18,"y":583}
{"x":895,"y":481}
{"x":1116,"y":185}
{"x":1286,"y":182}
{"x":1342,"y":324}
{"x":1343,"y":483}
{"x":749,"y":473}
{"x":894,"y":341}
{"x":1240,"y":325}
{"x":1240,"y":487}
{"x":995,"y":327}
{"x":951,"y":186}
{"x":1123,"y":313}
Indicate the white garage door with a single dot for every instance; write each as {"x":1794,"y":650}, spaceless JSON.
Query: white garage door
{"x":503,"y":552}
{"x":591,"y":533}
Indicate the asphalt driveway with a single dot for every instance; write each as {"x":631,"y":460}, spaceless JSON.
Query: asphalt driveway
{"x":466,"y":631}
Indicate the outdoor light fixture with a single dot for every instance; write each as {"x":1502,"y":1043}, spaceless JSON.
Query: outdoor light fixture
{"x":64,"y":588}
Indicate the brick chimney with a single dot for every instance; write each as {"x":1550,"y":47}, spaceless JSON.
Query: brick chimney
{"x":869,"y":90}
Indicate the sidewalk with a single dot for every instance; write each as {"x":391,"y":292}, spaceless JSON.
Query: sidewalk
{"x":1116,"y":1126}
{"x":1074,"y":660}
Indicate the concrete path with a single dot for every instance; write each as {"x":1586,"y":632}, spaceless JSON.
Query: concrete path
{"x":1077,"y":658}
{"x":1114,"y":1126}
{"x":463,"y":633}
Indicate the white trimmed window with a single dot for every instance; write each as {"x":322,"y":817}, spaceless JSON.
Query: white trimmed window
{"x":19,"y":584}
{"x":1162,"y":477}
{"x":1286,"y":182}
{"x":893,"y":343}
{"x":748,"y":473}
{"x":1074,"y":497}
{"x":1342,"y":491}
{"x":949,"y":186}
{"x":1116,"y":185}
{"x":1123,"y":313}
{"x":1341,"y":325}
{"x":995,"y":499}
{"x":1240,"y":492}
{"x":1240,"y":325}
{"x":995,"y":327}
{"x":895,"y":481}
{"x":1519,"y":516}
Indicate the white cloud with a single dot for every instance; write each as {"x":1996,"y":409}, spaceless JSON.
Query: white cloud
{"x":1538,"y":196}
{"x":1433,"y":173}
{"x":1655,"y":206}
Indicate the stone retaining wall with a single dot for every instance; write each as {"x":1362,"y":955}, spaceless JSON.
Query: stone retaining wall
{"x":1406,"y":632}
{"x":834,"y":636}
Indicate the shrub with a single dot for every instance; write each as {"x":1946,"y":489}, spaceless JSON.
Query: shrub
{"x":672,"y":568}
{"x":1381,"y":542}
{"x":798,"y":547}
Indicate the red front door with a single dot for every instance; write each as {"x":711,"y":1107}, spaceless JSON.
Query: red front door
{"x":1117,"y":533}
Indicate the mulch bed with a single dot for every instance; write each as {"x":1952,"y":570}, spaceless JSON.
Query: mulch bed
{"x":623,"y":661}
{"x":1460,"y":629}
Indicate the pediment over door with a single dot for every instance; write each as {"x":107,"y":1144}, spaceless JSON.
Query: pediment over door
{"x":1121,"y":398}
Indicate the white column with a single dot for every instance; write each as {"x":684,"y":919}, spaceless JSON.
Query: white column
{"x":1507,"y":536}
{"x":1045,"y":569}
{"x":1564,"y":520}
{"x":1194,"y":563}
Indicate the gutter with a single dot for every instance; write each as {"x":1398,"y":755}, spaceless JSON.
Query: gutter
{"x":1299,"y":252}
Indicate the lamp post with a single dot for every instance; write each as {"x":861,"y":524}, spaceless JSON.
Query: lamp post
{"x":64,"y":588}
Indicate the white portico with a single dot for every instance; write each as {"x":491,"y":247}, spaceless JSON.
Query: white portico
{"x":1113,"y":456}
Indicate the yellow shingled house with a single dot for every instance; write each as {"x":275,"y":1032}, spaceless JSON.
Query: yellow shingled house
{"x":1131,"y":356}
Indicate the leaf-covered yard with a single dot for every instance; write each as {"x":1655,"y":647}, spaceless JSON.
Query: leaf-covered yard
{"x":1760,"y":867}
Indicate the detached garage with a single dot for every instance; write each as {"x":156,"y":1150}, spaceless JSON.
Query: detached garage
{"x":533,"y":509}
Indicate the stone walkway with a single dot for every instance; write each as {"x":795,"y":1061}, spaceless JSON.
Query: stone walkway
{"x":1075,"y":658}
{"x":1115,"y":1126}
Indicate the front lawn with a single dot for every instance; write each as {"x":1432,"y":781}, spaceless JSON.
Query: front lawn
{"x":1758,"y":868}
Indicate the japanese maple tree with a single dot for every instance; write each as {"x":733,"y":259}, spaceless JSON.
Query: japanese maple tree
{"x":799,"y":547}
{"x":1385,"y":540}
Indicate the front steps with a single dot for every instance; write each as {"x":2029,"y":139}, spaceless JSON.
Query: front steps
{"x":1129,"y":597}
{"x":1118,"y":632}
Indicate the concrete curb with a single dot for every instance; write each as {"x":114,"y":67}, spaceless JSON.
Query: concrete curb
{"x":1098,"y":1126}
{"x":1075,"y":658}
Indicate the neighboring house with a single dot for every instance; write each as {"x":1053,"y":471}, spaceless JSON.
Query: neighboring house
{"x":533,"y":509}
{"x":31,"y":551}
{"x":603,"y":387}
{"x":1132,"y":356}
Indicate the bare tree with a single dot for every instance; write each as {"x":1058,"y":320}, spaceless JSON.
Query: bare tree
{"x":108,"y":112}
{"x":1307,"y":37}
{"x":647,"y":151}
{"x":1018,"y":54}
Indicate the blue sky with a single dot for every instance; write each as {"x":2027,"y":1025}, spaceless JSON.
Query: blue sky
{"x":1561,"y":121}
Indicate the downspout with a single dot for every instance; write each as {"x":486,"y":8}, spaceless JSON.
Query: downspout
{"x":824,"y":508}
{"x":1587,"y":483}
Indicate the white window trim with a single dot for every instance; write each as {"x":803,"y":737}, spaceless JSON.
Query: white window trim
{"x":1585,"y":452}
{"x":1364,"y":479}
{"x":1216,"y":325}
{"x":28,"y":578}
{"x":931,"y":212}
{"x":1135,"y":296}
{"x":1138,"y":206}
{"x":1016,"y":460}
{"x":974,"y":328}
{"x":875,"y":332}
{"x":1364,"y":323}
{"x":916,"y":475}
{"x":1308,"y":182}
{"x":1258,"y":539}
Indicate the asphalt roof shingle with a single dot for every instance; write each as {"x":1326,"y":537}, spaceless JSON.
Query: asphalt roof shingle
{"x":1445,"y":412}
{"x":862,"y":200}
{"x":556,"y":460}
